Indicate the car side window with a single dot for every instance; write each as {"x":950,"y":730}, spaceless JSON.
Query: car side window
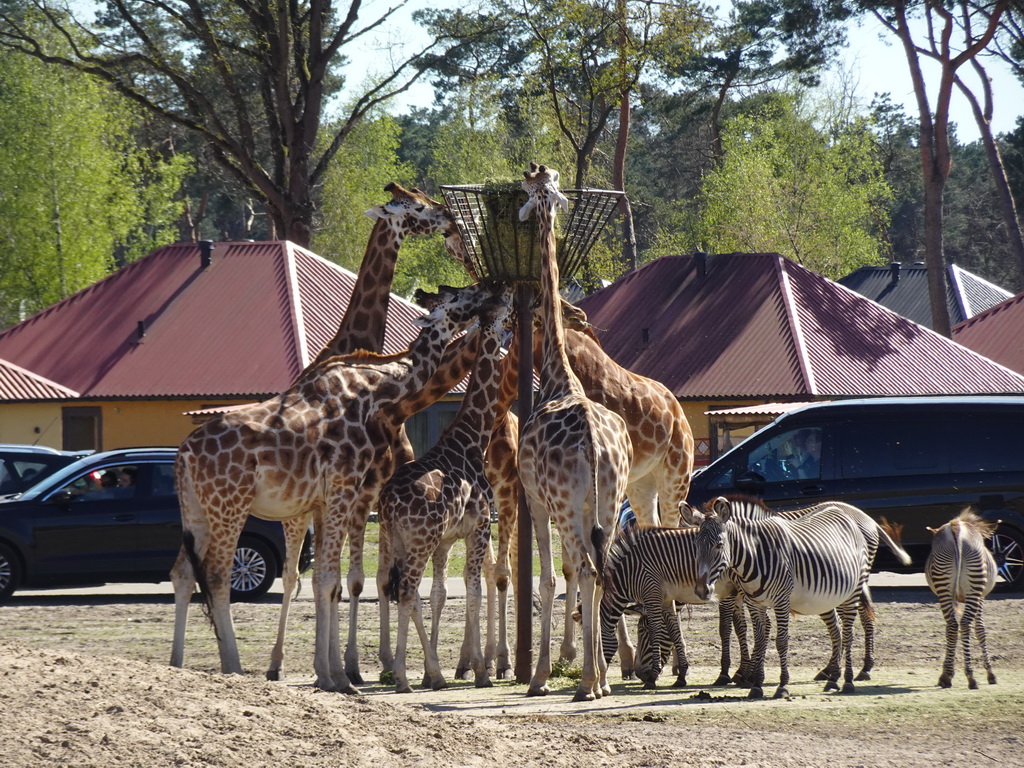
{"x":894,"y":447}
{"x":791,"y":455}
{"x":109,"y":483}
{"x":163,"y":480}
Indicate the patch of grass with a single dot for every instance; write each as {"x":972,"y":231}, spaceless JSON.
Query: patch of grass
{"x":566,"y":669}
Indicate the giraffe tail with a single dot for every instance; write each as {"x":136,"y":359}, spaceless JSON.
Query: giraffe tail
{"x":389,"y":556}
{"x":188,"y":543}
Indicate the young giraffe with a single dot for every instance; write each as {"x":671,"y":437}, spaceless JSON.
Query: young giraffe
{"x":430,"y":503}
{"x":408,"y":213}
{"x":305,"y":451}
{"x":574,"y":458}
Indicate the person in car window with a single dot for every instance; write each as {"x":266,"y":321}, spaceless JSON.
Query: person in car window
{"x":809,"y":441}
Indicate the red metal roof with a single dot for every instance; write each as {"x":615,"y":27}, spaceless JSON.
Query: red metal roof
{"x":756,"y":325}
{"x":165,"y":326}
{"x":18,"y":384}
{"x":997,"y":333}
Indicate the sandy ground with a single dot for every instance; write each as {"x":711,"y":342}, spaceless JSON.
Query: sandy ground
{"x":85,"y":683}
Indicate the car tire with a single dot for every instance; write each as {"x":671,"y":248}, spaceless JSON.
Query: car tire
{"x":10,"y":572}
{"x":1007,"y":545}
{"x":254,"y":570}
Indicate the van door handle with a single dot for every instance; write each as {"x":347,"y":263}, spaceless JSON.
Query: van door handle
{"x":811,"y":490}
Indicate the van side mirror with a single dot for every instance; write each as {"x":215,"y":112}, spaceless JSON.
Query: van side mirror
{"x":62,"y":498}
{"x":750,"y":482}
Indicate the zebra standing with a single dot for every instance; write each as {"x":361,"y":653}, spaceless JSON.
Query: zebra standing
{"x":817,"y":563}
{"x":960,"y":569}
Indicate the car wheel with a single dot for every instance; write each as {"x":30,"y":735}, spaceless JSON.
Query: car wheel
{"x":10,"y":572}
{"x":254,"y":570}
{"x":1007,"y":545}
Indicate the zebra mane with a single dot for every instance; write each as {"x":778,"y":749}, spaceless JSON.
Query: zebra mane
{"x":744,"y":503}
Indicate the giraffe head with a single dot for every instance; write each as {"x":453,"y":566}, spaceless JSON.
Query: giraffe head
{"x":451,"y":310}
{"x":541,"y":183}
{"x":413,"y":212}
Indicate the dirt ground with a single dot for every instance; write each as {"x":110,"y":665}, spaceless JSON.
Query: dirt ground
{"x":85,"y":682}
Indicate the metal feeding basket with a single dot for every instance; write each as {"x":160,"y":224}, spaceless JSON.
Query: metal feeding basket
{"x":501,"y":247}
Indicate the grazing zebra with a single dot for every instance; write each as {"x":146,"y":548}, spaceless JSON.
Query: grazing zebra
{"x":817,"y":563}
{"x":960,"y":569}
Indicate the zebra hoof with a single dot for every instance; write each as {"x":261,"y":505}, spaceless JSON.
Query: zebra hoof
{"x":722,"y":680}
{"x":991,"y":679}
{"x":755,"y":693}
{"x":831,"y":685}
{"x":848,"y":687}
{"x":782,"y":692}
{"x":945,"y":682}
{"x":650,"y":685}
{"x":680,"y":682}
{"x":462,"y":673}
{"x":972,"y":684}
{"x":864,"y":675}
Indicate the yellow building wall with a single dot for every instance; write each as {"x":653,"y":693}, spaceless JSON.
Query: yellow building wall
{"x":124,"y":423}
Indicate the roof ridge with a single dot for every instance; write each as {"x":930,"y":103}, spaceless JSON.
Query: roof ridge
{"x":796,"y":327}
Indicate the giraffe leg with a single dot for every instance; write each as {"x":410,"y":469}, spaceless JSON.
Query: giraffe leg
{"x":432,"y":676}
{"x":507,"y":520}
{"x":295,"y":534}
{"x":184,"y":585}
{"x":476,"y":548}
{"x":385,"y":562}
{"x":327,"y":664}
{"x":567,"y":652}
{"x":627,"y":651}
{"x":356,"y":579}
{"x":490,"y":608}
{"x":405,"y":610}
{"x":588,"y":688}
{"x":542,"y":670}
{"x":438,"y":599}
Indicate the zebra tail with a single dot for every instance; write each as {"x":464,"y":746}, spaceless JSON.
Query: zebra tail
{"x":958,"y":559}
{"x":890,"y":534}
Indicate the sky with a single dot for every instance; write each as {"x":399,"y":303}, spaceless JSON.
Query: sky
{"x":873,"y":64}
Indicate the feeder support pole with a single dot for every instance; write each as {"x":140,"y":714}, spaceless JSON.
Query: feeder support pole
{"x":524,"y":571}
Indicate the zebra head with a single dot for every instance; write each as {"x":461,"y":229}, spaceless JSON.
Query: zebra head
{"x":712,"y":546}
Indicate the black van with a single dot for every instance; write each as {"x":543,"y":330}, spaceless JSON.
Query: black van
{"x":917,"y":461}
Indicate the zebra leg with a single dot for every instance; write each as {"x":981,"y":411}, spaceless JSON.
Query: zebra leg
{"x":762,"y":626}
{"x":725,"y":622}
{"x":868,"y":621}
{"x":948,"y":606}
{"x":979,"y":630}
{"x":679,"y":645}
{"x":971,"y":606}
{"x":831,"y":670}
{"x":739,"y":625}
{"x":782,"y":646}
{"x":848,"y":612}
{"x":650,"y":665}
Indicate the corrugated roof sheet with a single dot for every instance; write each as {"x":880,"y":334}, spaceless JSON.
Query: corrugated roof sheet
{"x":997,"y":333}
{"x":18,"y":384}
{"x":745,"y":325}
{"x":164,"y":326}
{"x":904,"y":290}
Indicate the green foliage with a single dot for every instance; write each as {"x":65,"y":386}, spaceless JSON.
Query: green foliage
{"x":75,"y":190}
{"x":353,"y":183}
{"x":786,"y":187}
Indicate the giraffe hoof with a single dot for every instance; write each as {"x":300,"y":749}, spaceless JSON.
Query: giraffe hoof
{"x":462,"y":673}
{"x":355,"y":677}
{"x":403,"y":688}
{"x":539,"y":690}
{"x":485,"y":683}
{"x":273,"y":674}
{"x":584,"y":696}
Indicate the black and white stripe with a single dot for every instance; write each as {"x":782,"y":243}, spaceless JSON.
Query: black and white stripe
{"x":961,"y":570}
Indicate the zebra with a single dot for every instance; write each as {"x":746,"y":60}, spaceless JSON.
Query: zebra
{"x":817,"y":563}
{"x":960,"y":569}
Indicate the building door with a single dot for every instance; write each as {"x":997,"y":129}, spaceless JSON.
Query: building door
{"x":83,"y":429}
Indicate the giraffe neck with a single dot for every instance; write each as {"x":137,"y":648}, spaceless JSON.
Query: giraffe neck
{"x":508,"y":389}
{"x":475,"y":420}
{"x":556,"y":377}
{"x":455,"y":364}
{"x":362,"y":326}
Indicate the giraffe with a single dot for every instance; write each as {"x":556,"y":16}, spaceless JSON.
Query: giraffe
{"x":574,"y":459}
{"x":304,"y":451}
{"x":430,"y":503}
{"x":409,"y":212}
{"x":659,"y":476}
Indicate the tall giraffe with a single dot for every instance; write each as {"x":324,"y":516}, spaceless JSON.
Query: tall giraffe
{"x":659,"y":476}
{"x":306,"y":451}
{"x":409,"y":212}
{"x":428,"y":505}
{"x":574,"y":459}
